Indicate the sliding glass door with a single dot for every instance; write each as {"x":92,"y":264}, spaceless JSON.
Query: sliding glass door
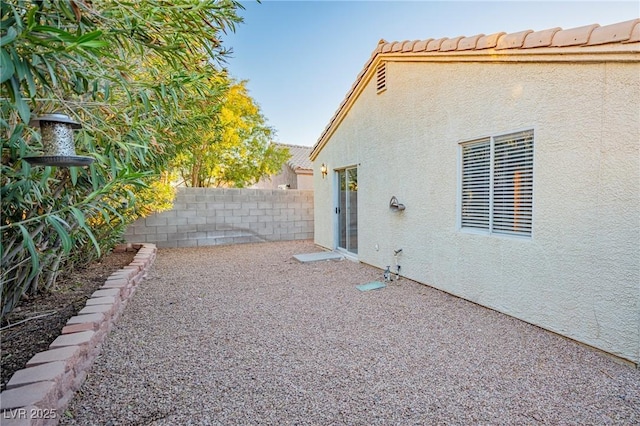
{"x":347,"y":210}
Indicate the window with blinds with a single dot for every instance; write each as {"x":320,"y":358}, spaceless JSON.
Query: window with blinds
{"x":497,"y":184}
{"x":476,"y":184}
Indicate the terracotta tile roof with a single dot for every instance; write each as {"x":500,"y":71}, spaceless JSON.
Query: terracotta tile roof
{"x":589,"y":35}
{"x":589,"y":38}
{"x":299,"y":156}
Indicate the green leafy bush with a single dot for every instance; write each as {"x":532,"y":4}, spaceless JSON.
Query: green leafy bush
{"x":123,"y":69}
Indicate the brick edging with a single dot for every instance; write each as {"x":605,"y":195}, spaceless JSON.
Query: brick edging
{"x":39,"y":394}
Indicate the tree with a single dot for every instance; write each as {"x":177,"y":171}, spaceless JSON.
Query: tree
{"x":123,"y":69}
{"x":231,"y":146}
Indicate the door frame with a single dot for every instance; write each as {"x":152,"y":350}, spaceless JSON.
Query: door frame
{"x":336,"y":215}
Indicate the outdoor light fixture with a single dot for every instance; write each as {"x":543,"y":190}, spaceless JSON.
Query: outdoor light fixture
{"x":57,"y":140}
{"x":323,"y":170}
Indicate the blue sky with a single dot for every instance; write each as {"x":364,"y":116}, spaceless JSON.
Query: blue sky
{"x":301,"y":57}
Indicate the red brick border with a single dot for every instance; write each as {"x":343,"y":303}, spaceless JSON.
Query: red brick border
{"x":38,"y":394}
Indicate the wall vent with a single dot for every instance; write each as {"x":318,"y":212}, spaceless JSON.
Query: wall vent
{"x":381,"y":78}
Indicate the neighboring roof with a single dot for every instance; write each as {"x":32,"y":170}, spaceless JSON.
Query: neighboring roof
{"x":299,"y":157}
{"x":525,"y":45}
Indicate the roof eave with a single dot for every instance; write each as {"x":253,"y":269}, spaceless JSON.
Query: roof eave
{"x":500,"y":48}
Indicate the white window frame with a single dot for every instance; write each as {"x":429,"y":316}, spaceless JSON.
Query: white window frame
{"x":491,"y":225}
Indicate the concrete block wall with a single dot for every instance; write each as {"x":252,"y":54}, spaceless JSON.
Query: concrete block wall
{"x":214,"y":216}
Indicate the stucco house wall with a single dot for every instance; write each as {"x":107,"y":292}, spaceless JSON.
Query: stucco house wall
{"x":579,"y":272}
{"x":286,"y":177}
{"x":296,"y":173}
{"x":305,"y":181}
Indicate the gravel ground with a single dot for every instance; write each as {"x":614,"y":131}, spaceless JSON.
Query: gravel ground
{"x":245,"y":334}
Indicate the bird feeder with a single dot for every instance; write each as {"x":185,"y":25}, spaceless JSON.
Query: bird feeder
{"x":58,"y":144}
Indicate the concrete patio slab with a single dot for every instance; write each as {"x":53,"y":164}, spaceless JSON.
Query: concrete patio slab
{"x":316,"y":257}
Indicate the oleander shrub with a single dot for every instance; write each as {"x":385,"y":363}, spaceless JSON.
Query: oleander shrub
{"x":124,"y":70}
